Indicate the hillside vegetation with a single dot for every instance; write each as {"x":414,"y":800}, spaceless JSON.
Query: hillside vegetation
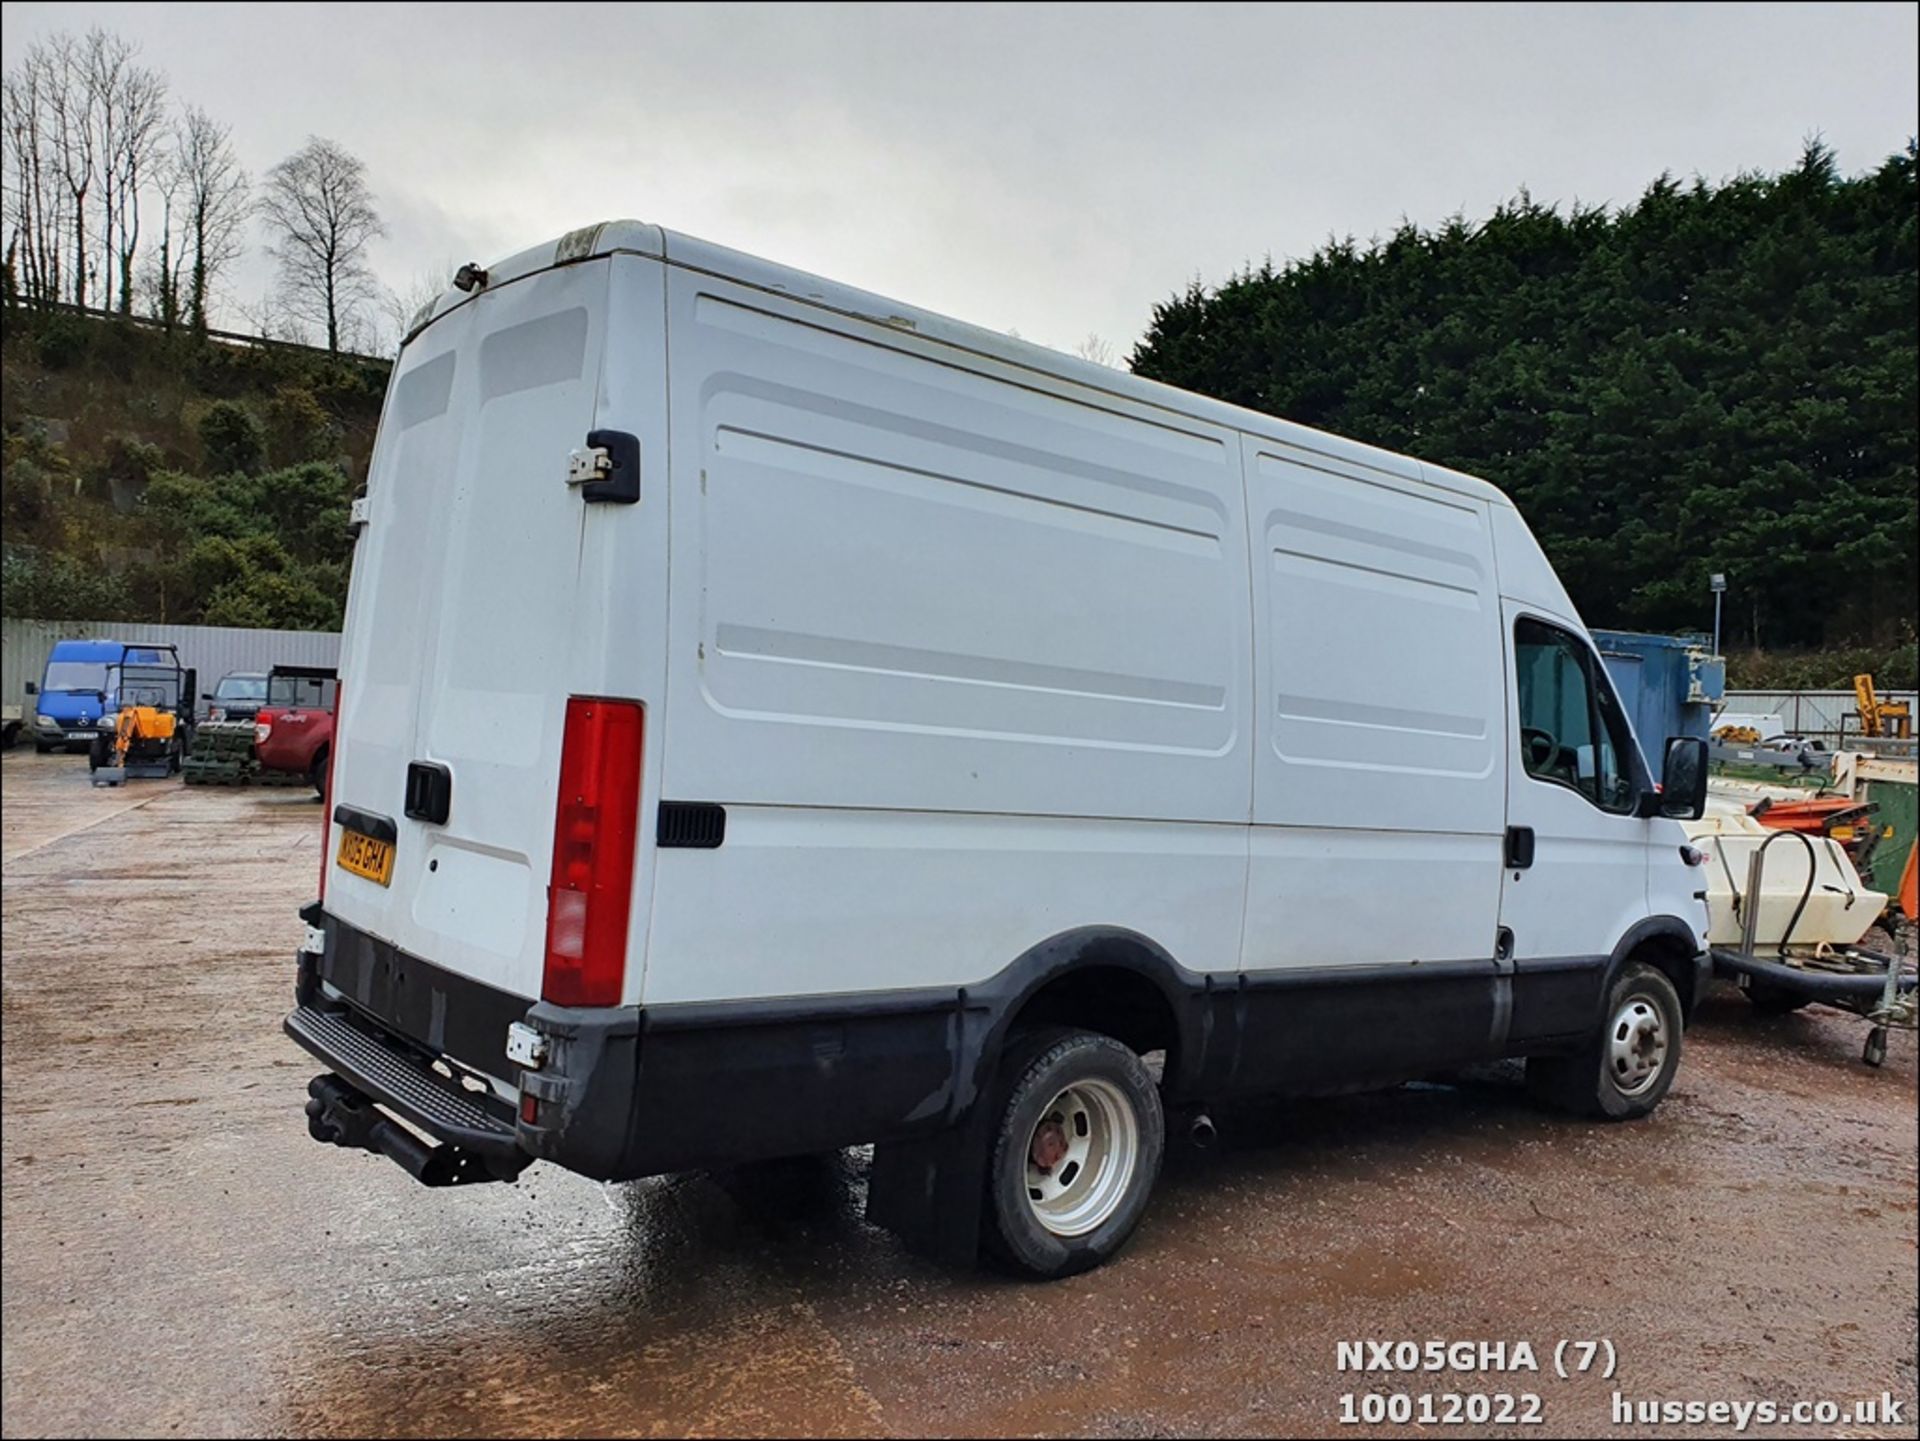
{"x":1717,"y":378}
{"x":159,"y":477}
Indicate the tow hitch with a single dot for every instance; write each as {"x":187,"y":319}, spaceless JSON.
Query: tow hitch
{"x":343,"y":1116}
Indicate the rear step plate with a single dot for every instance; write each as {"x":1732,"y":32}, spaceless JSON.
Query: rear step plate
{"x":397,"y":1081}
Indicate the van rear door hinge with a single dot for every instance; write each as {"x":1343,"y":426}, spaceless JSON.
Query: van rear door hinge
{"x":607,"y":469}
{"x":588,"y":463}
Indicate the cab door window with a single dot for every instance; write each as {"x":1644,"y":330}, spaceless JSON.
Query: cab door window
{"x":1572,"y":730}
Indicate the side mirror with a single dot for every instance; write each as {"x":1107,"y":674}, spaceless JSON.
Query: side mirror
{"x":206,"y":695}
{"x":32,"y":688}
{"x":1683,"y":779}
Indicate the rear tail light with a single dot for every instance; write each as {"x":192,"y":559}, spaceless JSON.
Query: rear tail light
{"x":261,"y":731}
{"x":595,"y":835}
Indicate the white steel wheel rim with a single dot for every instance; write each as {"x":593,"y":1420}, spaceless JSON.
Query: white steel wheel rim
{"x":1636,"y":1045}
{"x":1081,"y":1156}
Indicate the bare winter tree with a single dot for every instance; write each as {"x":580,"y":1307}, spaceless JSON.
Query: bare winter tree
{"x":322,"y":214}
{"x":164,"y":274}
{"x":81,"y":122}
{"x":30,"y":193}
{"x":104,"y":60}
{"x":71,"y":126}
{"x":132,"y":109}
{"x":399,"y":306}
{"x":270,"y":320}
{"x":216,"y":199}
{"x":1095,"y":349}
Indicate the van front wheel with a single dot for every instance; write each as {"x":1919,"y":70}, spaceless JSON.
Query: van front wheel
{"x":1628,"y":1066}
{"x":1075,"y":1154}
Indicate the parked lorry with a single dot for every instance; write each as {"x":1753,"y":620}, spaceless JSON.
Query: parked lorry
{"x":77,"y":688}
{"x":775,"y":718}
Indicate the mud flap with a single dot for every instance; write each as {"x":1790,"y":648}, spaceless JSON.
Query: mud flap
{"x":931,"y":1191}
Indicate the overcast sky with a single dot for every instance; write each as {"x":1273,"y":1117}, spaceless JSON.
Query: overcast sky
{"x":1050,"y":170}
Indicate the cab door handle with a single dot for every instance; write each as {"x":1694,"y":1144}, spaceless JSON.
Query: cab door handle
{"x":1519,"y":847}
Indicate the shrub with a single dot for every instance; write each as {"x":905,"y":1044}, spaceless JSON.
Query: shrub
{"x":298,"y":427}
{"x":233,"y":439}
{"x":60,"y":343}
{"x":43,"y":584}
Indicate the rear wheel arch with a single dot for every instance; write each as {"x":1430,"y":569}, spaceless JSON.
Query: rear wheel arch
{"x":1107,"y":979}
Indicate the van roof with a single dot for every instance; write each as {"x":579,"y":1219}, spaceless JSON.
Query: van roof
{"x":634,"y":237}
{"x":97,"y":650}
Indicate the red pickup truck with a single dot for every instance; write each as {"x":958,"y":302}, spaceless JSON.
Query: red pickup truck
{"x":293,"y":733}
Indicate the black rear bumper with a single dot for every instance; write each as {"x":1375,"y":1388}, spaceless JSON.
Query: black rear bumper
{"x":620,"y":1093}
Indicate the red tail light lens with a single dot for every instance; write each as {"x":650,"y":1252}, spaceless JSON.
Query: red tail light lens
{"x":595,"y":833}
{"x":261,"y":732}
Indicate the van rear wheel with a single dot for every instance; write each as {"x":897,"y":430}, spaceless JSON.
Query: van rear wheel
{"x":1075,"y":1154}
{"x":1628,"y":1066}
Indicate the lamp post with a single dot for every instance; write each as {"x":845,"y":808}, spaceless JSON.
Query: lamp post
{"x":1719,"y":583}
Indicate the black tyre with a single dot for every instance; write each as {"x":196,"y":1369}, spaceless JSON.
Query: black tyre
{"x":1074,"y":1155}
{"x":317,"y":773}
{"x":97,"y":753}
{"x":43,"y":748}
{"x":1628,"y":1066}
{"x":1771,"y":1000}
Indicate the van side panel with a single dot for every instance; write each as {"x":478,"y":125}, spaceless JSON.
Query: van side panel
{"x":963,"y":649}
{"x":1379,"y":796}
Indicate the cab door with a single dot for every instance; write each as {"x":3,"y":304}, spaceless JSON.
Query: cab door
{"x":1575,"y":874}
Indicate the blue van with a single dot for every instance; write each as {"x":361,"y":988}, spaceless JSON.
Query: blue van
{"x":78,"y":688}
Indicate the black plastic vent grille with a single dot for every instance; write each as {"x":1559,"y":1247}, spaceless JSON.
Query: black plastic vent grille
{"x":692,"y":825}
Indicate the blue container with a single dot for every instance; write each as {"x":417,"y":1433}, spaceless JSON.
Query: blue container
{"x":1670,"y":684}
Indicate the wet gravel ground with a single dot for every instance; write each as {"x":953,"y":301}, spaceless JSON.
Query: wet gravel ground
{"x":179,"y":1257}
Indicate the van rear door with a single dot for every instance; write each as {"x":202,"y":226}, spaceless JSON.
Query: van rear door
{"x":460,"y":645}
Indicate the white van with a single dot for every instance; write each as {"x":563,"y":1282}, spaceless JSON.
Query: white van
{"x":774,"y":718}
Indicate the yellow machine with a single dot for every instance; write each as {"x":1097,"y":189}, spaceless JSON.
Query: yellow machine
{"x":1881,"y":719}
{"x":142,"y":744}
{"x":1738,"y":735}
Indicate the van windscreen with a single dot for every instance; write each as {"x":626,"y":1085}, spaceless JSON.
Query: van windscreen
{"x":75,"y":675}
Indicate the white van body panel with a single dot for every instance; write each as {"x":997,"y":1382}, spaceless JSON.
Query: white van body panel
{"x":1378,"y":670}
{"x":850,"y":900}
{"x":499,"y":595}
{"x":1015,"y":599}
{"x":1526,"y":577}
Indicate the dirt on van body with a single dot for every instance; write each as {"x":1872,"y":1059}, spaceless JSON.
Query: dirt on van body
{"x":179,"y":1257}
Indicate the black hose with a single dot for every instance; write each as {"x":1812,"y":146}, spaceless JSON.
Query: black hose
{"x":1813,"y":868}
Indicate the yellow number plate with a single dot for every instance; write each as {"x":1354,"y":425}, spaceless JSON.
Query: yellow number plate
{"x":365,"y":856}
